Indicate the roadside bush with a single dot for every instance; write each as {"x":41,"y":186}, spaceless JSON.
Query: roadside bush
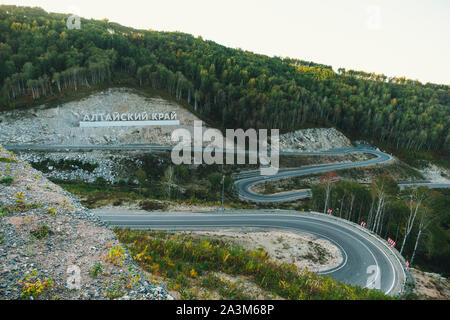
{"x":150,"y":205}
{"x":101,"y":181}
{"x":182,"y":174}
{"x":215,"y":180}
{"x":183,"y":258}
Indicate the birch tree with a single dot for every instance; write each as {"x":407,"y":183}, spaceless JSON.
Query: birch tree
{"x":168,"y":180}
{"x":416,"y":195}
{"x":328,"y":180}
{"x":382,"y":189}
{"x":426,"y":219}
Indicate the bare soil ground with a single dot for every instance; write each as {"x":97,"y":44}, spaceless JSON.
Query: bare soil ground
{"x":430,"y":286}
{"x":160,"y":205}
{"x":304,"y":250}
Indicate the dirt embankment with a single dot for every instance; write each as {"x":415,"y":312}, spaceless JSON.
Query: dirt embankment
{"x":430,"y":285}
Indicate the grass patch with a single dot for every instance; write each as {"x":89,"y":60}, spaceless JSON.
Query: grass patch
{"x":101,"y":193}
{"x":95,"y":270}
{"x":41,"y":232}
{"x":227,"y":289}
{"x":4,"y":211}
{"x":6,"y":160}
{"x":186,"y":260}
{"x":7,"y":181}
{"x":97,"y":194}
{"x":319,"y":254}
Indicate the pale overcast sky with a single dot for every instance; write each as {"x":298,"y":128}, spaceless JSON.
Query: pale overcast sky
{"x":396,"y":37}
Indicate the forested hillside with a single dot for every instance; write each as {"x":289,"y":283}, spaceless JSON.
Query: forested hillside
{"x":40,"y":57}
{"x":417,"y":219}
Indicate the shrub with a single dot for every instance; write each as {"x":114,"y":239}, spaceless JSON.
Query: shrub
{"x":182,"y":174}
{"x":118,"y":202}
{"x":95,"y":270}
{"x":116,"y":255}
{"x":4,"y":211}
{"x":130,"y":278}
{"x":20,"y":199}
{"x":193,"y":273}
{"x":7,"y":160}
{"x":118,"y":287}
{"x":150,"y":205}
{"x":41,"y":232}
{"x":215,"y":179}
{"x":7,"y":181}
{"x":33,"y":286}
{"x":114,"y":289}
{"x":101,"y":181}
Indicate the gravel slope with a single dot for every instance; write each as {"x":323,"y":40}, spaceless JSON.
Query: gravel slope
{"x":73,"y":237}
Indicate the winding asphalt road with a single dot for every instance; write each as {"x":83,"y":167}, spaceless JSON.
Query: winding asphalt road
{"x":249,"y":179}
{"x":366,"y":260}
{"x":243,"y":185}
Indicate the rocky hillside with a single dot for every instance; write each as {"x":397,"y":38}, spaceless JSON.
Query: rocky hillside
{"x":315,"y":139}
{"x":60,"y":125}
{"x":430,"y":285}
{"x":84,"y":165}
{"x":51,"y":247}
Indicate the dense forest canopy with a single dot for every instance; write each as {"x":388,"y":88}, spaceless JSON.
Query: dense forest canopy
{"x":41,"y":57}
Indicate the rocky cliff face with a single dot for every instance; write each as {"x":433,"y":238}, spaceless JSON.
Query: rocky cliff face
{"x":51,"y":247}
{"x":60,"y":125}
{"x":311,"y":140}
